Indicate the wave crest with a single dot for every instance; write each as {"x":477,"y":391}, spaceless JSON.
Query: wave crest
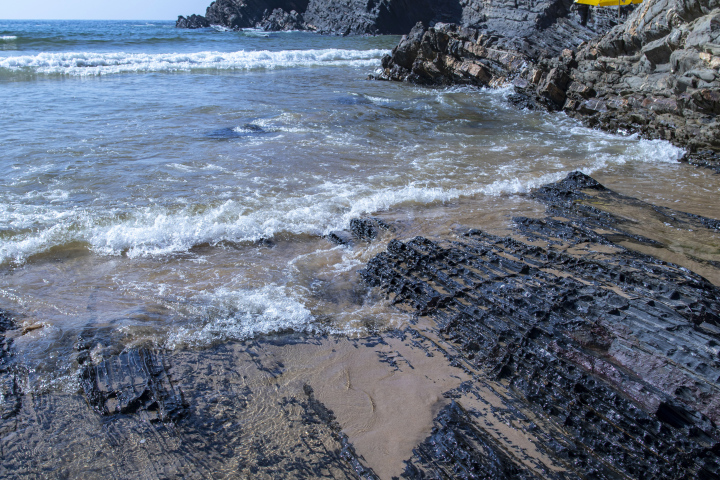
{"x":92,"y":64}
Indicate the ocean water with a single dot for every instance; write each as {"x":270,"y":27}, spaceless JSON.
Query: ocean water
{"x":175,"y":187}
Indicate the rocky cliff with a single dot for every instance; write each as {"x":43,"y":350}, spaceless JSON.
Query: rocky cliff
{"x":511,"y":18}
{"x":343,"y":17}
{"x":236,"y":14}
{"x":656,"y":73}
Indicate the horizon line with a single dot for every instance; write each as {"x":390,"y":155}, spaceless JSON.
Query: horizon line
{"x":92,"y":19}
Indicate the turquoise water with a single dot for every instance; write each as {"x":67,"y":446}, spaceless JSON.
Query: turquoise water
{"x":175,"y":186}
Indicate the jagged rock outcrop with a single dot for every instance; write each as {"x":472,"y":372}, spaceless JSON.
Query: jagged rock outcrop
{"x":496,"y":42}
{"x":353,"y":17}
{"x":657,"y":73}
{"x":280,"y":20}
{"x":192,"y":22}
{"x":236,"y":14}
{"x":347,"y":17}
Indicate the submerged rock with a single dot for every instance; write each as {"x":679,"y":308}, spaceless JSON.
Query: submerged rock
{"x":245,"y":130}
{"x":615,"y":353}
{"x":361,"y":229}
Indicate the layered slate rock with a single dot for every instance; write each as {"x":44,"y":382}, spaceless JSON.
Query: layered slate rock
{"x":495,"y":42}
{"x":133,"y":382}
{"x":658,"y":74}
{"x":613,"y":353}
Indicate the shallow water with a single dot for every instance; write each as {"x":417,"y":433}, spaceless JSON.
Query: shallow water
{"x":174,"y":188}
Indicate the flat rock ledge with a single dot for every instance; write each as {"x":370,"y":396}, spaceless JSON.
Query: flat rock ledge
{"x":609,"y":355}
{"x":656,"y":74}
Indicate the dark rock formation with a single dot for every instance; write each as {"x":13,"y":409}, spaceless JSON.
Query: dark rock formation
{"x":280,"y":20}
{"x":10,"y":395}
{"x":361,"y":229}
{"x":350,"y":17}
{"x":497,"y":42}
{"x":135,"y":382}
{"x":237,"y":14}
{"x":616,"y":350}
{"x":460,"y":450}
{"x":355,"y":17}
{"x":192,"y":22}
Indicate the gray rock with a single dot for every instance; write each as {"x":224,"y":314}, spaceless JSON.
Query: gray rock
{"x":192,"y":22}
{"x":280,"y":20}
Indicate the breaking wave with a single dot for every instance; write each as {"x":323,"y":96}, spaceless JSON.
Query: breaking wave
{"x":93,"y":64}
{"x":243,"y":314}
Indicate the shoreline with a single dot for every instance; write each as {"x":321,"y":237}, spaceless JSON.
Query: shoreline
{"x":453,"y":390}
{"x":655,"y":74}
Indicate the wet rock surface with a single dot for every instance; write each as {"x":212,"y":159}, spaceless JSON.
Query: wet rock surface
{"x":188,"y":414}
{"x":10,"y":394}
{"x":457,"y":449}
{"x":243,"y":131}
{"x":360,"y":229}
{"x":135,"y":381}
{"x":610,"y":354}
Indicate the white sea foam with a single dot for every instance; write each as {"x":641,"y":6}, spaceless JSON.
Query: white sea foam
{"x":90,"y":63}
{"x":242,"y":314}
{"x":158,"y":230}
{"x":8,"y":38}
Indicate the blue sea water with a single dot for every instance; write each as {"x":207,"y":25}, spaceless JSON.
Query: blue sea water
{"x":176,"y":186}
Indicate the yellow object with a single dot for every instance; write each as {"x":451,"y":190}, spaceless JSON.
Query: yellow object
{"x":607,"y":3}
